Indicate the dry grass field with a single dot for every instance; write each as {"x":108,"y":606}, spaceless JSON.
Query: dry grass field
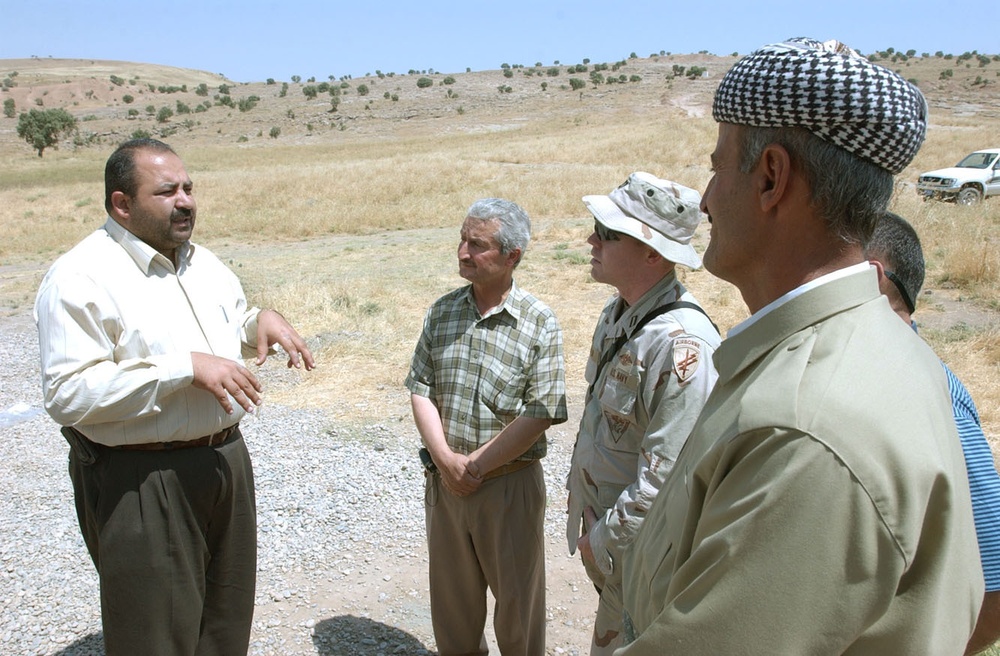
{"x":347,"y":219}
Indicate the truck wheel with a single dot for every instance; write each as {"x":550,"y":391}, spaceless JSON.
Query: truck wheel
{"x":969,"y":196}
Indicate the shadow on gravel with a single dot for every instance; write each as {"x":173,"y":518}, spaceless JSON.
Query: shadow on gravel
{"x":91,"y":645}
{"x":347,"y":635}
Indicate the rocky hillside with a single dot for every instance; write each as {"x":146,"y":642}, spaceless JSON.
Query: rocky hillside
{"x":116,"y":100}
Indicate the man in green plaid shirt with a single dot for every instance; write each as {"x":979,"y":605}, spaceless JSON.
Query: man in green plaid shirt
{"x":486,"y":381}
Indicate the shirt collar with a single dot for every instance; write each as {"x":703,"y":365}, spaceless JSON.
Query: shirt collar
{"x":510,"y":305}
{"x":142,"y":253}
{"x":795,"y":293}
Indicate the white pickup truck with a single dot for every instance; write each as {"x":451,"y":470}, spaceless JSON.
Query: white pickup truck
{"x":974,"y":178}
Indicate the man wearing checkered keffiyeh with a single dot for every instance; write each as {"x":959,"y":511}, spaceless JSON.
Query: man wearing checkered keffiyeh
{"x":820,"y":505}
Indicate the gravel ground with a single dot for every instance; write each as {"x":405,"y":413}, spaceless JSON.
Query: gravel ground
{"x":342,"y":556}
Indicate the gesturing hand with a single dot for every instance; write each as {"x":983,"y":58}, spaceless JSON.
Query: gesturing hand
{"x":225,"y":378}
{"x":272,"y":328}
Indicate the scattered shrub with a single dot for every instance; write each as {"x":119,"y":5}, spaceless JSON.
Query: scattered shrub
{"x":424,"y":82}
{"x":248,"y":103}
{"x":275,"y":132}
{"x":43,"y":128}
{"x":576,"y":83}
{"x":127,"y":99}
{"x":164,"y":114}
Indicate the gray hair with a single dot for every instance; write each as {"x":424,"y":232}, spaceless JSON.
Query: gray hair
{"x":515,"y":226}
{"x":850,"y":193}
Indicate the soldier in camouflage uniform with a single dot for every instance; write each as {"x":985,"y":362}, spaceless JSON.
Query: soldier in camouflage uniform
{"x":649,"y":374}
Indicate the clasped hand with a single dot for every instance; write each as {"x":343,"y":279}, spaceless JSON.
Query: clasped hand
{"x":458,"y":477}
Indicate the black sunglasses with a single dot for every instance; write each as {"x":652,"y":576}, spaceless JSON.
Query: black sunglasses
{"x":902,"y":290}
{"x":605,"y":234}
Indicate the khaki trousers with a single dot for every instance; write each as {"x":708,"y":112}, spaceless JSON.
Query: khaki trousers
{"x":493,"y":537}
{"x":174,"y":537}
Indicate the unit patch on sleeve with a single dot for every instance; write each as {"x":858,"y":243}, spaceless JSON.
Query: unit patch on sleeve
{"x":687,"y":357}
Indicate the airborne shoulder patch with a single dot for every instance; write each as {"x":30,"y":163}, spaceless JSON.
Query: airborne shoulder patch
{"x":687,"y":358}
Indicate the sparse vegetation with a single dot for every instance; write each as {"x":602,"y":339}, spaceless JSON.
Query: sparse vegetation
{"x":540,"y":163}
{"x":424,"y":82}
{"x":248,"y":103}
{"x":9,"y":109}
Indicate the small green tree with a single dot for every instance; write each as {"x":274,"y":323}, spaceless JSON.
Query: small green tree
{"x":310,"y":92}
{"x":362,"y":89}
{"x":42,"y":128}
{"x":275,"y":132}
{"x":128,"y":99}
{"x":424,"y":82}
{"x":8,"y":108}
{"x":576,"y":83}
{"x":164,"y":114}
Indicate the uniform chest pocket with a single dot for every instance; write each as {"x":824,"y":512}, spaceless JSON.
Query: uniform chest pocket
{"x":621,"y":387}
{"x":618,"y":397}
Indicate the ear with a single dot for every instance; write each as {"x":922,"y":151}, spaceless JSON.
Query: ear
{"x":880,"y":269}
{"x":120,"y":205}
{"x":514,"y":257}
{"x":774,"y":169}
{"x":885,"y":286}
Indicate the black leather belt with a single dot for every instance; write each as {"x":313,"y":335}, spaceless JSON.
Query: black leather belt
{"x":209,"y":440}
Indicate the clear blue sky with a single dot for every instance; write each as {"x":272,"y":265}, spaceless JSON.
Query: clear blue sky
{"x":252,"y":40}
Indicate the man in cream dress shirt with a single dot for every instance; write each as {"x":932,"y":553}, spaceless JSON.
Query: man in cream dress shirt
{"x":142,"y":339}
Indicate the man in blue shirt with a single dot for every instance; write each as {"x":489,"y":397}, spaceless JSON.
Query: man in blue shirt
{"x":895,"y":252}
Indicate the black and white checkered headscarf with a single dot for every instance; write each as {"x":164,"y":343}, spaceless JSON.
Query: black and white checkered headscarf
{"x":830,"y":90}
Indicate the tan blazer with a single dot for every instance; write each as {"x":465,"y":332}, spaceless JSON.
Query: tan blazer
{"x":820,"y":505}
